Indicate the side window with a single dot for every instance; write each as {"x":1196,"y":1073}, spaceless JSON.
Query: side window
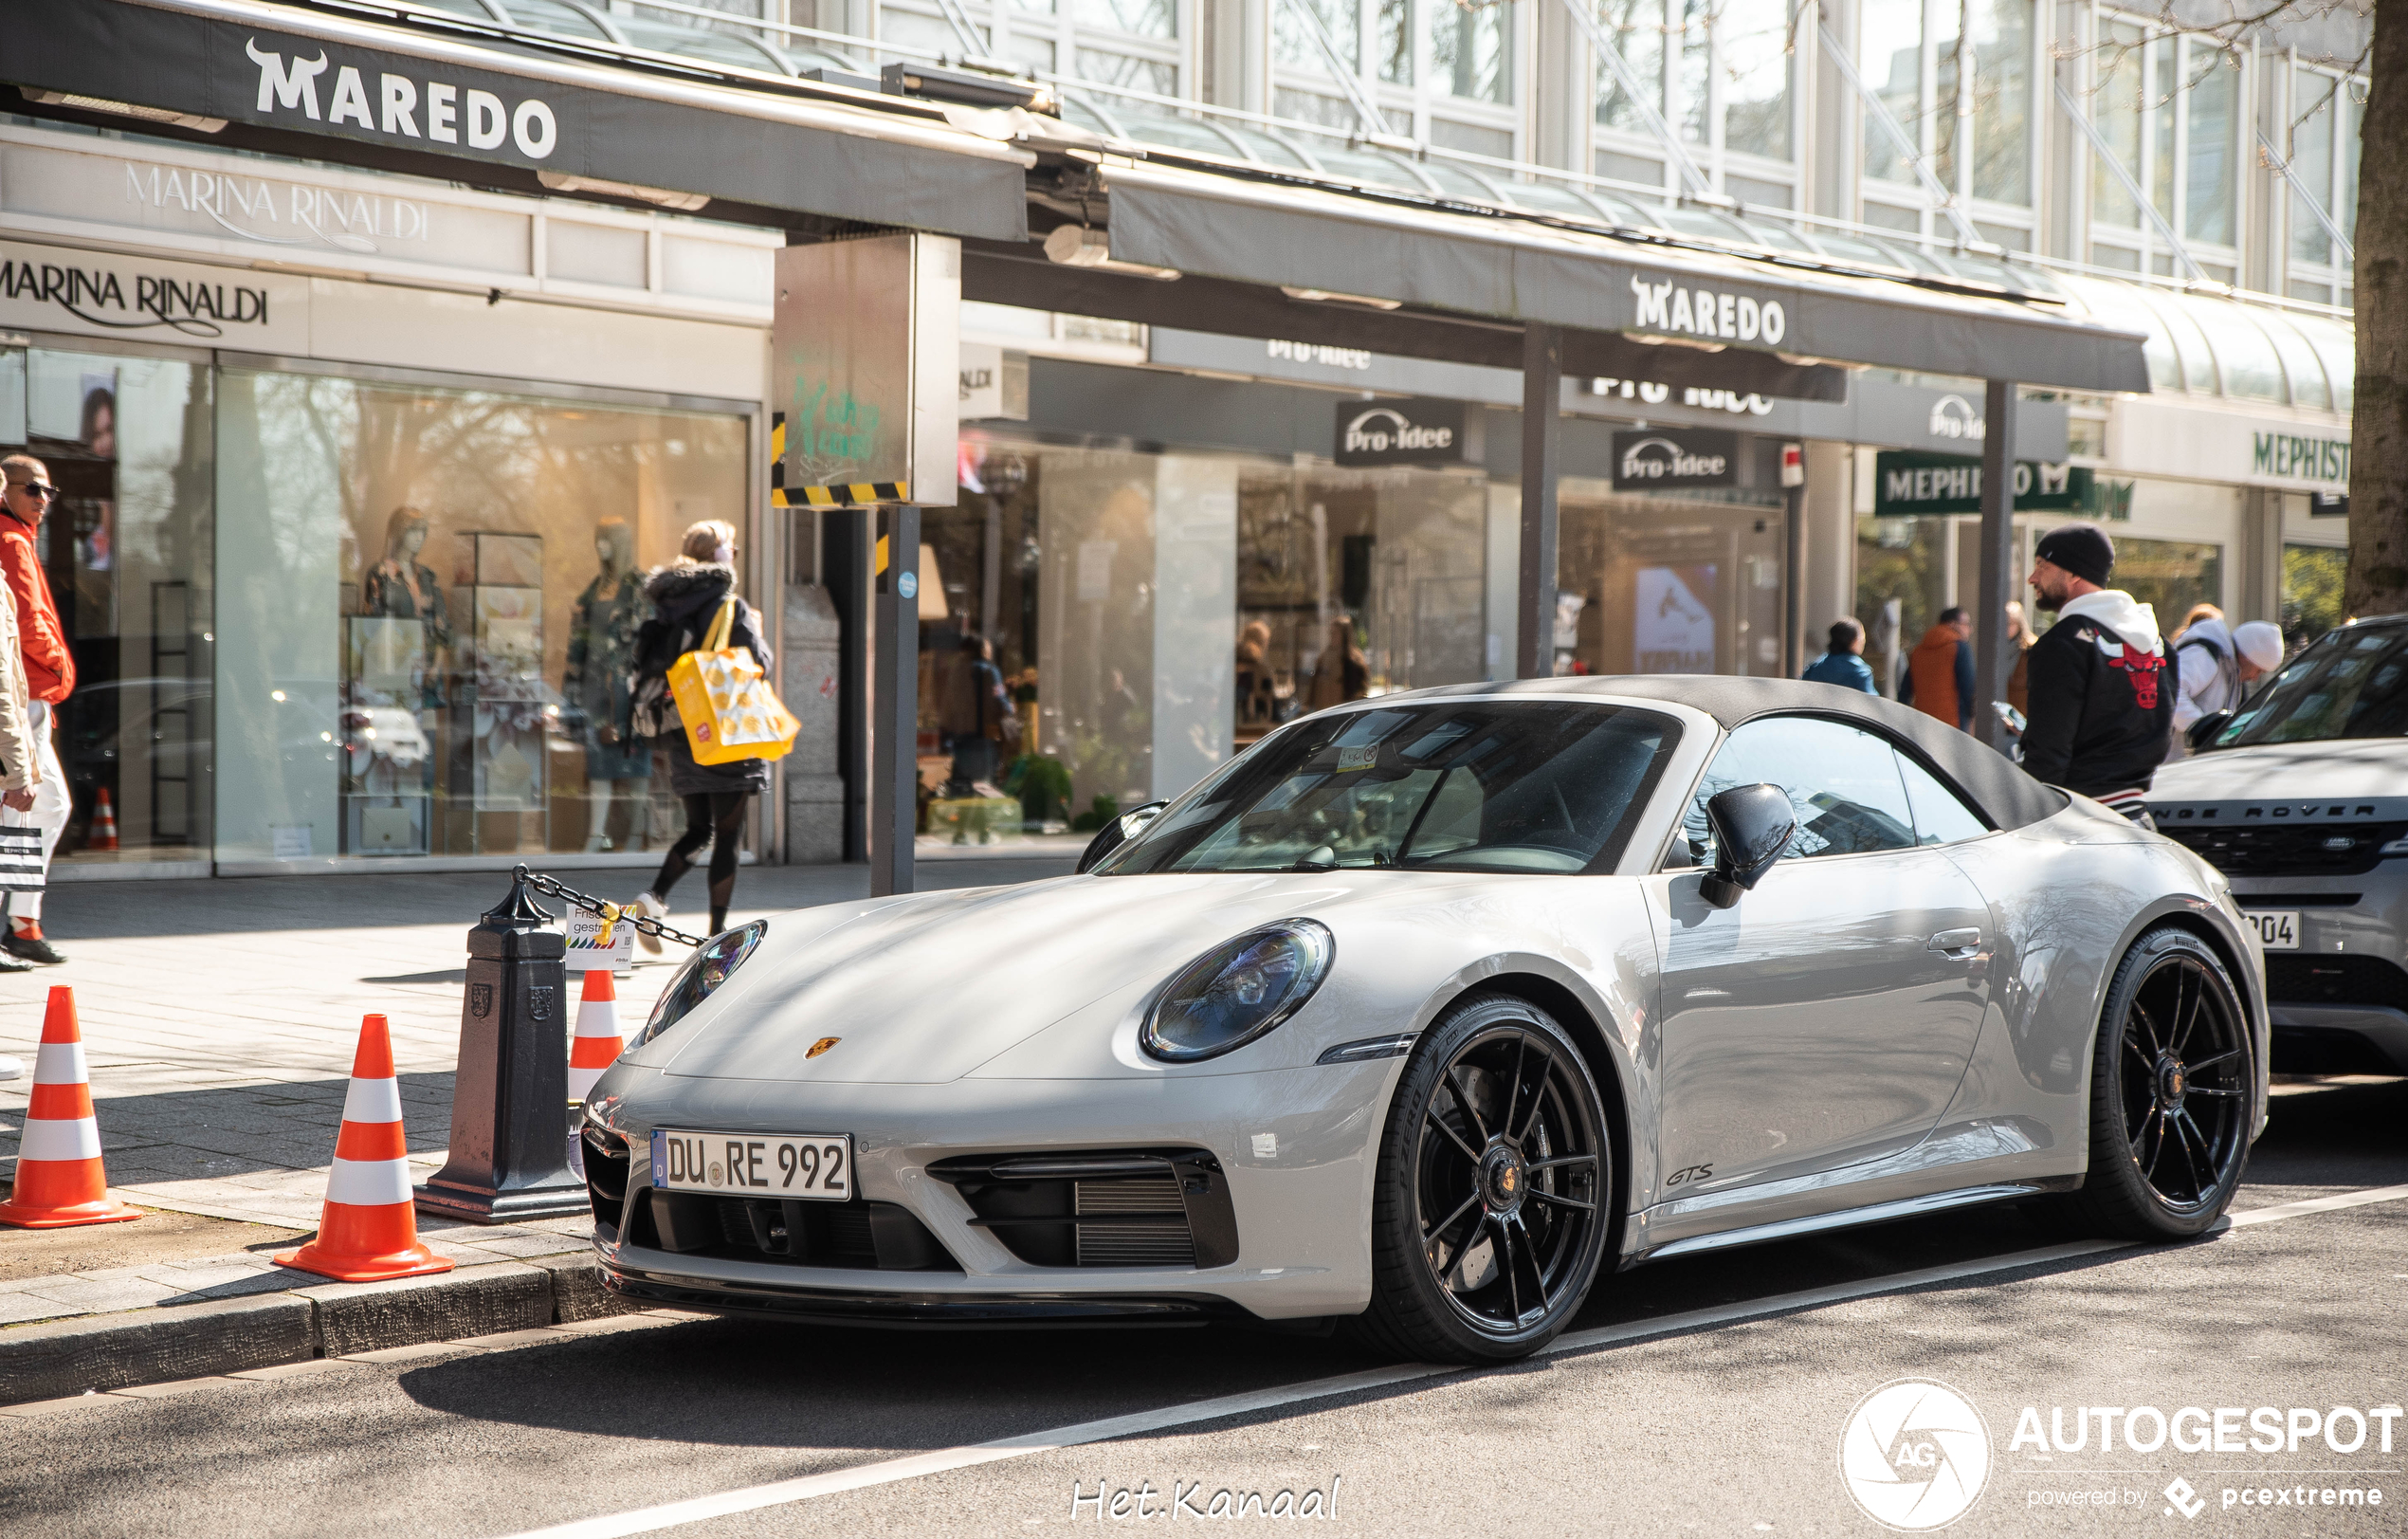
{"x":1940,"y":817}
{"x":1842,"y":781}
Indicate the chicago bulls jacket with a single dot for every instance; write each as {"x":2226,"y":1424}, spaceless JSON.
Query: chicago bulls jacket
{"x":2102,"y":697}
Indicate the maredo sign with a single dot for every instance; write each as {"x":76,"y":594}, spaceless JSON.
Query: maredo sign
{"x":1417,"y":432}
{"x":400,"y":108}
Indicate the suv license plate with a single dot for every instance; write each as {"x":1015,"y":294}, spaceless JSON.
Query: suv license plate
{"x":2277,"y":928}
{"x":818,"y":1166}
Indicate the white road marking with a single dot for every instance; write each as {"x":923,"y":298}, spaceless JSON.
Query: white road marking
{"x":2316,"y":1204}
{"x":938,"y":1461}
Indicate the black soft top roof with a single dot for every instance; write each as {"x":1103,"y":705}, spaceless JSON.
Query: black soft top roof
{"x":2008,"y":796}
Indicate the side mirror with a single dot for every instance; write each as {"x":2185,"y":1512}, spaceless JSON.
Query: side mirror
{"x":1118,"y":832}
{"x":1752,"y":825}
{"x":2200,"y":734}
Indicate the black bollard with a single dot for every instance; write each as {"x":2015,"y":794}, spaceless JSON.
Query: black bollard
{"x":508,"y":1160}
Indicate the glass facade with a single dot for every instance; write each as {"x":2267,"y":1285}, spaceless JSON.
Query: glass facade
{"x":128,"y":548}
{"x":1680,"y":583}
{"x":431,"y":593}
{"x":1149,"y":614}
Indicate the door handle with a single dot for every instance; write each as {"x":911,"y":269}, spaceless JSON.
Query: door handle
{"x":1957,"y":944}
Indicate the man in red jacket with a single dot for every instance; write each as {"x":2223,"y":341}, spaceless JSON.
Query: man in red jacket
{"x":49,"y":672}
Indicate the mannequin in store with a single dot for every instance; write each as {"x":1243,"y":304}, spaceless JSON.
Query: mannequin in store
{"x":401,"y":587}
{"x":618,"y":766}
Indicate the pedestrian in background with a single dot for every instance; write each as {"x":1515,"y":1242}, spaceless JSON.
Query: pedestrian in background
{"x":973,"y":719}
{"x":687,"y":596}
{"x":21,"y":759}
{"x":2102,"y":708}
{"x":2020,"y":677}
{"x":1843,"y":662}
{"x":50,"y":673}
{"x":2214,"y":668}
{"x":1939,"y":680}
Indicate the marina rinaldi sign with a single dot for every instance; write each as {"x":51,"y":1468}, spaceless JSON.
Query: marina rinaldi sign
{"x":1910,"y":482}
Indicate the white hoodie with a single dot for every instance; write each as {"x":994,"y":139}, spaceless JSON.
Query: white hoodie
{"x":2131,"y":619}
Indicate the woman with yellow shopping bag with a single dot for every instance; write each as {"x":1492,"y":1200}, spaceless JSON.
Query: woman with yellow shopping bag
{"x":693,"y":690}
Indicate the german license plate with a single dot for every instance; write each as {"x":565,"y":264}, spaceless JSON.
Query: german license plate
{"x":817,"y":1165}
{"x":2277,"y":928}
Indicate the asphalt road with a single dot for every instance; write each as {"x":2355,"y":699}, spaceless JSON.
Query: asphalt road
{"x":1730,"y":1423}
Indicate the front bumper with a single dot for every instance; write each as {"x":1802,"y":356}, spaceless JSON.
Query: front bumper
{"x":2340,"y":918}
{"x":899,"y":1308}
{"x":1297,"y":1146}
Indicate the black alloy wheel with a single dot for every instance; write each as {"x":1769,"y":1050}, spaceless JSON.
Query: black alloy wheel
{"x":2171,"y":1093}
{"x":1491,"y":1211}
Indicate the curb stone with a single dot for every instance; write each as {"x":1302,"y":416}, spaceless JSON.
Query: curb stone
{"x":148,"y":1346}
{"x":64,"y":1358}
{"x":470,"y":1301}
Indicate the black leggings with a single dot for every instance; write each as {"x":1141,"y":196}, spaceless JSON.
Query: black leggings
{"x":718,"y":817}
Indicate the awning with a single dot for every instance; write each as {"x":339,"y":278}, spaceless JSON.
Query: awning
{"x":1272,"y":232}
{"x":306,"y":73}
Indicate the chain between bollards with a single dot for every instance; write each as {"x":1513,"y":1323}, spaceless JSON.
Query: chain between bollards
{"x":609,"y":912}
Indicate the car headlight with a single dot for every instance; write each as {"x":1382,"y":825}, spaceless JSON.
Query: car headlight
{"x":1237,"y":990}
{"x":704,"y":971}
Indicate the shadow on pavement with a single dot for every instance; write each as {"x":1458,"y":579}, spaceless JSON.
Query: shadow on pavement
{"x":771,"y":1385}
{"x":237,"y":1131}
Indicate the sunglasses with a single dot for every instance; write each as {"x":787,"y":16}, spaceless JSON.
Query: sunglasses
{"x":39,"y":491}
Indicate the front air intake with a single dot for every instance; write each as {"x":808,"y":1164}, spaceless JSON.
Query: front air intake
{"x":1118,"y":1208}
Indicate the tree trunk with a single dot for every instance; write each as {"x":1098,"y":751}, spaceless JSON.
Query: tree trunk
{"x":2379,"y":430}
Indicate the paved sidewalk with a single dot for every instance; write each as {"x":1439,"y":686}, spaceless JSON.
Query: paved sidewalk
{"x":220,"y":1017}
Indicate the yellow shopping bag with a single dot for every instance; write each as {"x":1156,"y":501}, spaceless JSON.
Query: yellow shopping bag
{"x":729,"y":710}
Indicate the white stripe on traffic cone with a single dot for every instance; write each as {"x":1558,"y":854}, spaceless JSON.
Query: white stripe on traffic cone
{"x":597,"y":1042}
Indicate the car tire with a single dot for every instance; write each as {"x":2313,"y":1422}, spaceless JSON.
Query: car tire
{"x":1497,"y":1106}
{"x":2171,"y":1093}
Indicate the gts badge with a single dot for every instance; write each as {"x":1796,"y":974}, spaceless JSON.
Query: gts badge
{"x":1690,"y":1174}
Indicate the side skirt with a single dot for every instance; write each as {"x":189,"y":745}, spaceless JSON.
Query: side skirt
{"x":1911,"y":1207}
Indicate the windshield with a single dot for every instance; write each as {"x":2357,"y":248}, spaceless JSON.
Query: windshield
{"x":2353,"y":683}
{"x":1445,"y":785}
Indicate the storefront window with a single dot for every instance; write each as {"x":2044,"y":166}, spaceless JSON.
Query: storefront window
{"x":127,"y":440}
{"x":2312,"y":579}
{"x":2172,"y":574}
{"x":1667,"y":584}
{"x":1901,"y":585}
{"x":1151,"y":613}
{"x":436,"y":595}
{"x":1354,"y":583}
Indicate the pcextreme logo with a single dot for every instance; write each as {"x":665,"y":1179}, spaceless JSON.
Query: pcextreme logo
{"x":1914,"y":1455}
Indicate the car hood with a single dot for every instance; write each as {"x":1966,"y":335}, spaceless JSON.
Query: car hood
{"x":2276,"y":773}
{"x":923,"y":990}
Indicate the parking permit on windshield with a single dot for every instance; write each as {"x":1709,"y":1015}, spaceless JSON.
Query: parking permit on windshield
{"x":814,"y":1165}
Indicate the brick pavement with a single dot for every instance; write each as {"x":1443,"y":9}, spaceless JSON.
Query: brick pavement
{"x":219,"y":1017}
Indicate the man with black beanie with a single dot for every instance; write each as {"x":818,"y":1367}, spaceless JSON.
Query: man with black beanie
{"x":2101,"y":701}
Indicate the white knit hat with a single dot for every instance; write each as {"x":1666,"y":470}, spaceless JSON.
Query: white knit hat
{"x":2261,"y":641}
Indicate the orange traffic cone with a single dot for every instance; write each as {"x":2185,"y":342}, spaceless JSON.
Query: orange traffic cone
{"x":102,"y":833}
{"x":59,"y":1182}
{"x":596,"y":1045}
{"x":369,"y":1228}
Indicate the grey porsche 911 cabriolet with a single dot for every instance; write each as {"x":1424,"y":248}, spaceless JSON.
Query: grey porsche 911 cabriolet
{"x":1426,"y":1009}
